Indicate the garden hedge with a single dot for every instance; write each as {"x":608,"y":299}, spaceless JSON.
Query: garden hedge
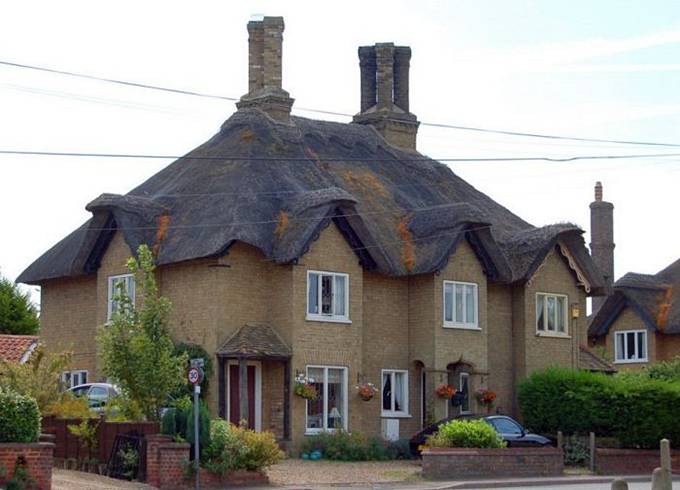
{"x":19,"y":417}
{"x":636,"y":410}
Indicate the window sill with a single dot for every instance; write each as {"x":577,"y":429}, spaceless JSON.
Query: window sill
{"x":395,"y":415}
{"x":632,"y":361}
{"x":328,"y":319}
{"x":459,"y":326}
{"x":316,"y":432}
{"x":553,"y":335}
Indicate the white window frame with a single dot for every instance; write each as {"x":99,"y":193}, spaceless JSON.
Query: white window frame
{"x":635,"y":360}
{"x":111,"y":292}
{"x":551,"y":333}
{"x":68,"y":383}
{"x":320,"y":317}
{"x":469,"y":391}
{"x":454,"y":324}
{"x":394,"y":413}
{"x":345,"y":401}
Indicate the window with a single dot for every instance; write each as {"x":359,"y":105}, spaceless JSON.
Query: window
{"x":124,"y":282}
{"x":631,"y":346}
{"x":329,"y":411}
{"x":460,"y":305}
{"x":327,"y":296}
{"x":394,"y":393}
{"x":505,"y":426}
{"x":464,"y":387}
{"x":73,"y":378}
{"x":551,"y":313}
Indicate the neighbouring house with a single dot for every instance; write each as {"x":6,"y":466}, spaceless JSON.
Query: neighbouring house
{"x":638,"y":322}
{"x":17,"y":348}
{"x":296,"y":247}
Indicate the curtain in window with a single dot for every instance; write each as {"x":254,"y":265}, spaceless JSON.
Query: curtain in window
{"x":336,"y":399}
{"x":620,"y":347}
{"x":560,"y":314}
{"x":315,"y":408}
{"x":459,"y":303}
{"x":470,"y":303}
{"x":339,"y":293}
{"x":448,"y":302}
{"x":313,"y":294}
{"x":551,"y":312}
{"x":399,"y":392}
{"x":540,"y":312}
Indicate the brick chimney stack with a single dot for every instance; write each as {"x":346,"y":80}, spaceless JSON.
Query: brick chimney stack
{"x":385,"y":93}
{"x":602,"y":241}
{"x":265,"y":50}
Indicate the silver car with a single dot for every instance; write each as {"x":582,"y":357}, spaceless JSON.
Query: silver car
{"x":98,"y":395}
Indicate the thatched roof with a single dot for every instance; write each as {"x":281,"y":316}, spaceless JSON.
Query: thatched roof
{"x":655,"y":298}
{"x":276,"y":186}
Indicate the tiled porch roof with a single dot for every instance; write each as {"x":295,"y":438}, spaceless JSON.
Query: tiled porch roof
{"x":255,"y":341}
{"x":16,"y":348}
{"x":590,"y":361}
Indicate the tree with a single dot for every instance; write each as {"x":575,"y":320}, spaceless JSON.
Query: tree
{"x":18,"y":316}
{"x":39,"y":377}
{"x":136,"y":348}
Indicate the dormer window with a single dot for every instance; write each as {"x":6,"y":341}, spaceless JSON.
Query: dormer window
{"x":327,"y":296}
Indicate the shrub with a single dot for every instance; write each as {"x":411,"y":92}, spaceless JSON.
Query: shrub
{"x":466,"y":433}
{"x":203,"y":425}
{"x":636,"y":409}
{"x":236,"y":448}
{"x":194,"y":351}
{"x":19,"y":417}
{"x":71,"y":407}
{"x":344,"y":446}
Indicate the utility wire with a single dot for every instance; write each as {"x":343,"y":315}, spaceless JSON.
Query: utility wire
{"x":335,"y":113}
{"x":325,"y":159}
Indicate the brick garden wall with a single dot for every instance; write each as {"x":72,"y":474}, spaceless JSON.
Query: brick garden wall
{"x":37,"y":458}
{"x":630,"y":461}
{"x":459,"y":463}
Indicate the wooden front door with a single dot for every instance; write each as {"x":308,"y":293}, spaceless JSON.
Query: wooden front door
{"x":235,"y":399}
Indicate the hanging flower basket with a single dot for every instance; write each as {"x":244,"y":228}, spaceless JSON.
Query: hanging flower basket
{"x":304,"y":388}
{"x":445,"y":391}
{"x":366,"y":391}
{"x":485,"y":397}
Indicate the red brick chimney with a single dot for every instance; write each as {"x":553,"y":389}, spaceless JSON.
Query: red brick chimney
{"x":602,"y":241}
{"x":265,"y":49}
{"x":385,"y":93}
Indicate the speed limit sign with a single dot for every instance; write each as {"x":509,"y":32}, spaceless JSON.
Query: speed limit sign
{"x":194,"y":375}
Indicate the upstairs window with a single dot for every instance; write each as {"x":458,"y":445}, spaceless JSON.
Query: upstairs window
{"x":117,"y":284}
{"x":630,"y":346}
{"x":551,"y":313}
{"x":394,"y":393}
{"x":460,"y":305}
{"x":327,"y":296}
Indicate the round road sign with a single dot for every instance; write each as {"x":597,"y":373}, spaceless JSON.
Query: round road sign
{"x":194,"y":376}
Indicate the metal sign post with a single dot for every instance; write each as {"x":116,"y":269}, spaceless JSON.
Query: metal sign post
{"x":195,"y":376}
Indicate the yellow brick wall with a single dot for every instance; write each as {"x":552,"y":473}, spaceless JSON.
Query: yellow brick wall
{"x":500,"y":356}
{"x":667,"y":347}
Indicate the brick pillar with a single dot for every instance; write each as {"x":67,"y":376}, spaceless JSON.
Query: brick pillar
{"x":255,"y":56}
{"x":172,"y":457}
{"x":153,"y":457}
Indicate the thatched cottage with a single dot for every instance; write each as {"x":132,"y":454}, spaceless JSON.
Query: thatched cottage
{"x":290,"y":246}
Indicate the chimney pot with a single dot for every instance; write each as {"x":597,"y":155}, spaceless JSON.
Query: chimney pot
{"x":598,"y":191}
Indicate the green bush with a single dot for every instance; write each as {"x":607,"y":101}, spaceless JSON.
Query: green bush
{"x":19,"y":417}
{"x":194,"y":351}
{"x":637,"y":410}
{"x":466,"y":433}
{"x":344,"y":446}
{"x":203,"y":425}
{"x":236,"y":448}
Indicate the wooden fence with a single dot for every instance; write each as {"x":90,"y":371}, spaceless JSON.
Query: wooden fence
{"x":69,"y":446}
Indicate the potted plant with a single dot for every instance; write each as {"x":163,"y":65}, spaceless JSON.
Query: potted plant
{"x":366,"y":391}
{"x":304,"y":387}
{"x":445,"y":391}
{"x":485,"y":397}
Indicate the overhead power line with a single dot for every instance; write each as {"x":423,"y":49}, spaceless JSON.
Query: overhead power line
{"x":335,"y":113}
{"x":323,"y":159}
